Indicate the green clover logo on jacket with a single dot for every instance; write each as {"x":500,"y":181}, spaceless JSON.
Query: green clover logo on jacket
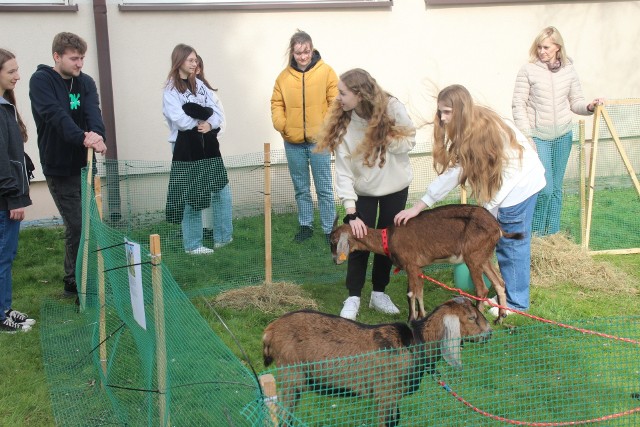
{"x":74,"y":101}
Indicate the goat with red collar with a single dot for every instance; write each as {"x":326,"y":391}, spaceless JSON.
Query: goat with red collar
{"x":451,"y":234}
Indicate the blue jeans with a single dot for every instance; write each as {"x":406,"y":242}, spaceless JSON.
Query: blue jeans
{"x":554,"y":155}
{"x":514,"y":256}
{"x":222,"y":221}
{"x":299,"y":158}
{"x":9,"y":230}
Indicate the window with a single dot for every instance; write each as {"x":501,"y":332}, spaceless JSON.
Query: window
{"x":146,"y":5}
{"x":38,"y":6}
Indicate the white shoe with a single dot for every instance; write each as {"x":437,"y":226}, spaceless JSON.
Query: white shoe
{"x":350,"y":308}
{"x":494,"y":311}
{"x":222,"y":244}
{"x":200,"y":251}
{"x":381,"y":302}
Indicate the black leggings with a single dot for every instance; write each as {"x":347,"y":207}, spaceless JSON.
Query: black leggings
{"x":367,"y":206}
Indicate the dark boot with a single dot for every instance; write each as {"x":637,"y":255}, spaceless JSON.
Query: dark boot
{"x":70,"y":288}
{"x":303,"y":234}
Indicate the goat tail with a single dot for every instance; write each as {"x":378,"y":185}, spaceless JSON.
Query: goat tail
{"x":515,"y":236}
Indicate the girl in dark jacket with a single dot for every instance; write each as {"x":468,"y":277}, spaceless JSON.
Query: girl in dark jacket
{"x":14,"y":190}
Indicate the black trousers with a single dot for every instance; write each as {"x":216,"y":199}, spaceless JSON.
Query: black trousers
{"x":385,"y":209}
{"x":66,"y":193}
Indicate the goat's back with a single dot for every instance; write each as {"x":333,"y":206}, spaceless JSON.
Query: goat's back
{"x":446,"y":231}
{"x":310,"y":336}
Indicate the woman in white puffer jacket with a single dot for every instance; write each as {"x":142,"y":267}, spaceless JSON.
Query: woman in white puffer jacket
{"x":546,"y":93}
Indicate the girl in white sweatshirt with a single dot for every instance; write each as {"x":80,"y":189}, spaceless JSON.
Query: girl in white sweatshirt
{"x":371,"y":135}
{"x":473,"y":145}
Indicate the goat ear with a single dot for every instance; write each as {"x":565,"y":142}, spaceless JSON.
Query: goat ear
{"x":335,"y":223}
{"x":342,"y":249}
{"x":451,"y":340}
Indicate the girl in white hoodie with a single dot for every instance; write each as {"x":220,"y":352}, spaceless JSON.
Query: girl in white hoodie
{"x":473,"y":145}
{"x":371,"y":135}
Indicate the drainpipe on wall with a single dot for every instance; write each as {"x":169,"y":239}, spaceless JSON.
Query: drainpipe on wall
{"x":106,"y":102}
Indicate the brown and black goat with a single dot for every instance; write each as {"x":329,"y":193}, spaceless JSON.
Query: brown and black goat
{"x":331,"y":355}
{"x":450,"y":233}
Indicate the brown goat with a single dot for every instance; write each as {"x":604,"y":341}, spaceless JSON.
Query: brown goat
{"x":450,"y":233}
{"x":351,"y":362}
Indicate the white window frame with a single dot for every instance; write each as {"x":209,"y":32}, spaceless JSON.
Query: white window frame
{"x":38,"y":6}
{"x":146,"y":5}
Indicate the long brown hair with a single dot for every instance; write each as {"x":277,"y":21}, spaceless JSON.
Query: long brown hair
{"x":474,"y":138}
{"x":178,"y":56}
{"x":381,"y":129}
{"x":200,"y":76}
{"x":5,"y":56}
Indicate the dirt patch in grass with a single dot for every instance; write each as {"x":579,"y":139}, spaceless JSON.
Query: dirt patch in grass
{"x":275,"y":297}
{"x":556,"y":259}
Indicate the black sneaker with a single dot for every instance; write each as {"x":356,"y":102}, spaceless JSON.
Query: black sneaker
{"x":327,"y":238}
{"x":11,"y":327}
{"x":19,"y":317}
{"x":303,"y":234}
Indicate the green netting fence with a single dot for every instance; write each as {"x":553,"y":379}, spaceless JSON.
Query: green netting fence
{"x":137,"y":352}
{"x":543,"y":375}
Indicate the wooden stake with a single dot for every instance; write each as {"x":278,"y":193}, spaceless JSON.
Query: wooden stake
{"x":102,"y":325}
{"x":592,"y":173}
{"x":86,"y":224}
{"x":267,"y":214}
{"x":268,"y":384}
{"x":583,"y":178}
{"x":158,"y":310}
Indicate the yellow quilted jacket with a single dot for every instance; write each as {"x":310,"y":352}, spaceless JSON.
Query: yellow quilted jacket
{"x":300,"y":100}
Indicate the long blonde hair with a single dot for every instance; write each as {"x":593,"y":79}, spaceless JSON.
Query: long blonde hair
{"x":474,"y":139}
{"x":381,"y":129}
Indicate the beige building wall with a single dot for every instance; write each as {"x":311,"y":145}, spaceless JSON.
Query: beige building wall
{"x":412,"y":49}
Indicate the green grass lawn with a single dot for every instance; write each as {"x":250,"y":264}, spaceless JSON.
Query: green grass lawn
{"x":24,"y":394}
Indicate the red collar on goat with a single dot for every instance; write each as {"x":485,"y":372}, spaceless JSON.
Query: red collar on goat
{"x":385,"y":242}
{"x":385,"y":247}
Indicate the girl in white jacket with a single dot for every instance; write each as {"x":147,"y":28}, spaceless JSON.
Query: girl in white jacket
{"x":546,"y":94}
{"x":371,"y":135}
{"x":473,"y":145}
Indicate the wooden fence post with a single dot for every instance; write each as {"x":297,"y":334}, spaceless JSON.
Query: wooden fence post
{"x":268,"y":384}
{"x":158,"y":310}
{"x":267,"y":214}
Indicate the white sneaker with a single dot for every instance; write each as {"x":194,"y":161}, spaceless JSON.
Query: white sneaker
{"x":200,"y":251}
{"x":381,"y":302}
{"x":350,"y":308}
{"x":222,"y":244}
{"x":494,"y":311}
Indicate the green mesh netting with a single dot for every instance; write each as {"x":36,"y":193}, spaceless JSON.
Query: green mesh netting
{"x":541,"y":375}
{"x":177,"y":371}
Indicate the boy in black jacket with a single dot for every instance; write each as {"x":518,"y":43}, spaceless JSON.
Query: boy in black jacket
{"x":66,"y":109}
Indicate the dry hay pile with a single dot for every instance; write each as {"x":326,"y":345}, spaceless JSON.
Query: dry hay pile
{"x":275,"y":297}
{"x":556,"y":259}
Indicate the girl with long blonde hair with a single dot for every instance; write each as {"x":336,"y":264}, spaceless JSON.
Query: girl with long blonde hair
{"x":371,"y":135}
{"x":473,"y":145}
